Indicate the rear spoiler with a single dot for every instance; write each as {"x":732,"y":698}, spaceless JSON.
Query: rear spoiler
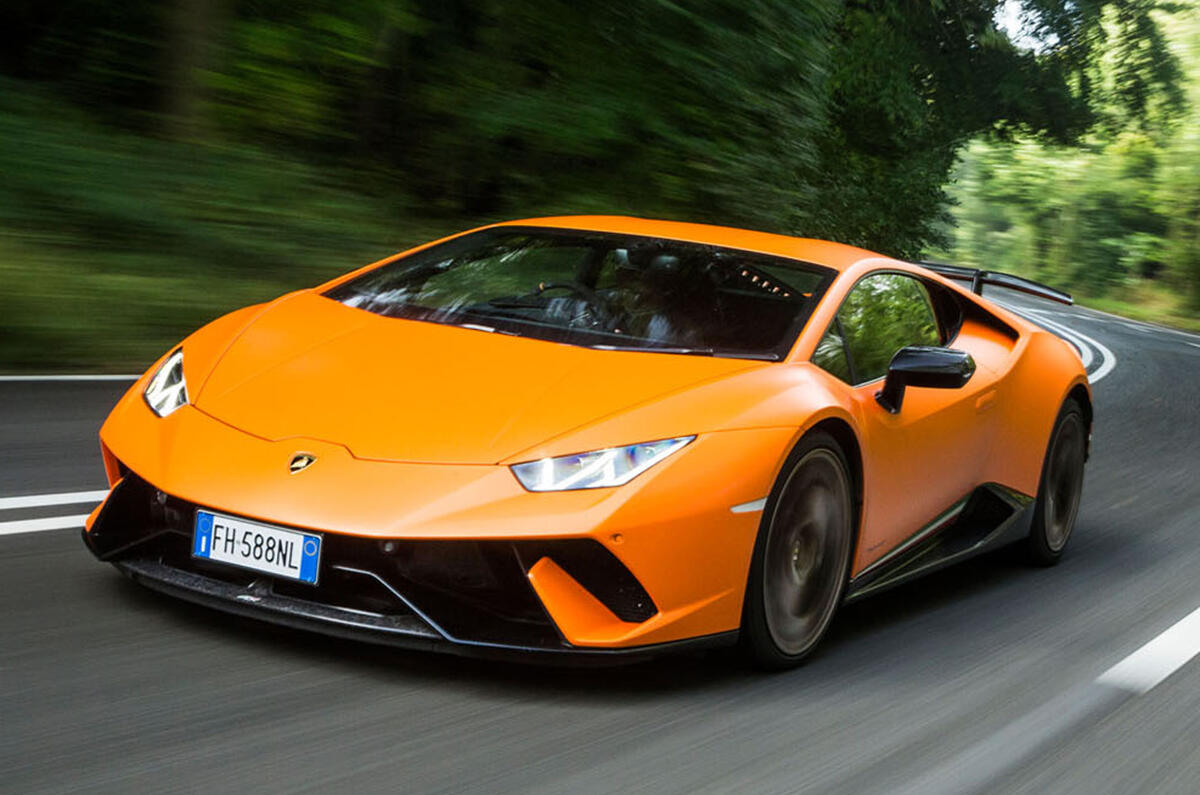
{"x":979,"y":278}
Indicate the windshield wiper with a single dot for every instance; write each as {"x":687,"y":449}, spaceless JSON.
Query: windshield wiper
{"x":766,"y":357}
{"x":516,"y":303}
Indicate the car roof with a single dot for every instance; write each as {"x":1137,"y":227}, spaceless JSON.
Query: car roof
{"x":837,"y":256}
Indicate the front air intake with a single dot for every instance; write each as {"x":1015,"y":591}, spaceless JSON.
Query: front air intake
{"x":598,"y":570}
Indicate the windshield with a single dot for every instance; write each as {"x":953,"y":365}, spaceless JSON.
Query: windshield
{"x":600,"y":290}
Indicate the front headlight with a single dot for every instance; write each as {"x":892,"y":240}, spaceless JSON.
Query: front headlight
{"x":615,"y":466}
{"x":167,"y":390}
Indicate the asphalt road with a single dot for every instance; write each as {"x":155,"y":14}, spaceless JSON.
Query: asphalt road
{"x":977,"y":675}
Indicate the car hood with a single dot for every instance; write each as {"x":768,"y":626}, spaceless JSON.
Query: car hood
{"x":404,"y":390}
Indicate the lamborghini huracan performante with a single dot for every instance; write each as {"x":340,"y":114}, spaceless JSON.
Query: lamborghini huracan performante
{"x":594,"y":436}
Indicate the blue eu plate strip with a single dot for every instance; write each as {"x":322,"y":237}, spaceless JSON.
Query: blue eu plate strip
{"x":310,"y":553}
{"x":202,"y":542}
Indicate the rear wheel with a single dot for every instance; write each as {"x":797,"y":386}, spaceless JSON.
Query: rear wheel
{"x":1057,"y":503}
{"x":801,"y":557}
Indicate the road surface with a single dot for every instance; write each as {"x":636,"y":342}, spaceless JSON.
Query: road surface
{"x":983,"y":675}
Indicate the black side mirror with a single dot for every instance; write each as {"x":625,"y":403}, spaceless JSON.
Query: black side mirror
{"x":919,"y":365}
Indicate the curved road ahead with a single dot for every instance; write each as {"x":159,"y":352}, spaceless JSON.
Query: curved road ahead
{"x":982,"y":675}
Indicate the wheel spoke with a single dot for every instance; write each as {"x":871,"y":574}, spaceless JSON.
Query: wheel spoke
{"x":1064,"y":481}
{"x":807,"y":551}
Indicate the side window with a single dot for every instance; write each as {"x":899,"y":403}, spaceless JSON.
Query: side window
{"x":830,"y":354}
{"x":881,"y":315}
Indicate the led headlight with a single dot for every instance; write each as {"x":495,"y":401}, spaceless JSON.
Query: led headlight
{"x":615,"y":466}
{"x":167,"y":390}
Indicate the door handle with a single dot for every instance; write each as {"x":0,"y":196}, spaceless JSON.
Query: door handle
{"x":985,"y":401}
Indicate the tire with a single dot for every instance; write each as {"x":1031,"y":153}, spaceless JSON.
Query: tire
{"x":801,"y":556}
{"x":1057,"y":504}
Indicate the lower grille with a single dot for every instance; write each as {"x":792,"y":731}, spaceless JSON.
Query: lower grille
{"x":471,"y":591}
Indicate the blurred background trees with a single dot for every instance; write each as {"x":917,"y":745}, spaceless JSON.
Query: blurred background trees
{"x":166,"y":161}
{"x":1116,"y":217}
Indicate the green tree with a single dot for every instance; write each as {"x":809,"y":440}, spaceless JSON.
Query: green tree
{"x":1120,"y":208}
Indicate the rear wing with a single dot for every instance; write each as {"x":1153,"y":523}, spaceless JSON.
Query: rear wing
{"x":979,"y":278}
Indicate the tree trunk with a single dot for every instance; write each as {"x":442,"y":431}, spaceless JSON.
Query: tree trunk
{"x":191,"y":39}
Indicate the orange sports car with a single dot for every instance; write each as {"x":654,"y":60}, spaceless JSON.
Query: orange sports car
{"x":595,"y":436}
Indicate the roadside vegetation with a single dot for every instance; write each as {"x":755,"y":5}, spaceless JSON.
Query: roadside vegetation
{"x":1115,"y":218}
{"x":164,"y":162}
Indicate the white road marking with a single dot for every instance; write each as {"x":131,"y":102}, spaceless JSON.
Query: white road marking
{"x":1182,"y":333}
{"x":42,"y":500}
{"x":39,"y":525}
{"x":749,"y":507}
{"x":69,"y":377}
{"x":1151,"y":664}
{"x":976,"y":768}
{"x":1099,"y":316}
{"x":1108,"y":358}
{"x":1194,"y":344}
{"x":1085,"y":350}
{"x":1153,"y":327}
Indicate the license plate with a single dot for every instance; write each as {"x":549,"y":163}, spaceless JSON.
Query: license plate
{"x":272,"y":550}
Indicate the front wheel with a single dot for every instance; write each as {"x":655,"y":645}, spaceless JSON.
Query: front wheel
{"x":802,"y":556}
{"x":1062,"y":485}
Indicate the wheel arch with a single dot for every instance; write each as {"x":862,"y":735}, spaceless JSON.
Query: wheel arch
{"x":847,"y":439}
{"x":842,"y":433}
{"x":1081,"y":395}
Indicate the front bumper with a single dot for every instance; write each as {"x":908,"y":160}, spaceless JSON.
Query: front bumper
{"x":466,"y":597}
{"x":671,"y":527}
{"x":408,"y":632}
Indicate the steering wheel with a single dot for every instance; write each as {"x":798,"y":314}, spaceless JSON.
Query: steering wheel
{"x":581,"y":290}
{"x":596,"y":309}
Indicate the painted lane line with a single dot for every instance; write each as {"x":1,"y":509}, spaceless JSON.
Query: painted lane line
{"x":1070,"y":336}
{"x":69,"y":377}
{"x":1179,"y":333}
{"x":977,"y":768}
{"x":42,"y":500}
{"x":1194,"y":344}
{"x":1152,"y":326}
{"x":39,"y":525}
{"x":1036,"y":311}
{"x":1109,"y":359}
{"x":1085,"y":350}
{"x":1151,"y":664}
{"x":1077,"y":338}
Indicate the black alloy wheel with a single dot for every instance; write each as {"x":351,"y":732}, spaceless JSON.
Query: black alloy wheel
{"x":1062,"y":485}
{"x":802,"y":556}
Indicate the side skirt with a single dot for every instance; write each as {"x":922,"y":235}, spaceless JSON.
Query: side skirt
{"x":990,"y":517}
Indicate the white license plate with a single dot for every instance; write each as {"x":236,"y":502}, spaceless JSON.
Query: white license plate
{"x":272,"y":550}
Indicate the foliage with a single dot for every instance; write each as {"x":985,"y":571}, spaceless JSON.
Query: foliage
{"x":112,"y":245}
{"x":833,"y":118}
{"x":1096,"y":218}
{"x":245,"y":145}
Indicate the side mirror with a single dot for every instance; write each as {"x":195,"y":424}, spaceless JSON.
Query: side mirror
{"x":919,"y":365}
